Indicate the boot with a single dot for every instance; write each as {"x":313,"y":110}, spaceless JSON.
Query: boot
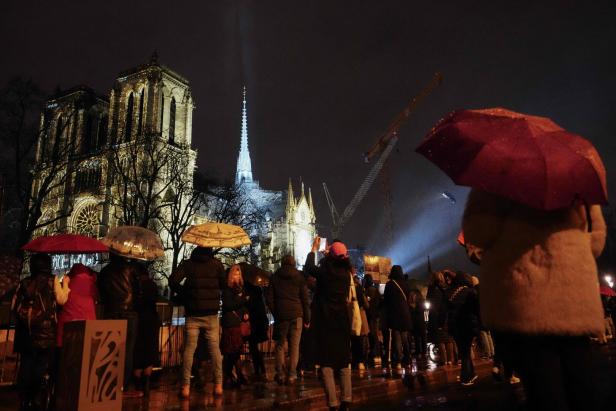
{"x":185,"y":391}
{"x":218,"y":390}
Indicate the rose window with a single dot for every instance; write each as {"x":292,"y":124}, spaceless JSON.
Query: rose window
{"x":87,"y":220}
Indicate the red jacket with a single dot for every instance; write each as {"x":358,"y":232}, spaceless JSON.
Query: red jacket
{"x":81,"y":299}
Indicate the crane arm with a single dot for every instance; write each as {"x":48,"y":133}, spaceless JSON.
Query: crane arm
{"x":401,"y":118}
{"x":368,"y":181}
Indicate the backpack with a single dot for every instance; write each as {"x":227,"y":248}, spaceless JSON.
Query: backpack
{"x":34,"y":306}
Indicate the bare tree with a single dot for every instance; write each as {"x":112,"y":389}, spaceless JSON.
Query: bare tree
{"x":183,"y":199}
{"x":141,"y":172}
{"x":230,"y":203}
{"x":32,"y":179}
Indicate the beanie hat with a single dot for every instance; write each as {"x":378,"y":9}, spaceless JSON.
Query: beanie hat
{"x":338,"y":250}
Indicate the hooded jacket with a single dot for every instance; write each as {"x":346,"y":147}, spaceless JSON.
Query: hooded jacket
{"x":81,"y":299}
{"x":538,"y":269}
{"x":205,"y":278}
{"x":118,"y":285}
{"x":287,"y":295}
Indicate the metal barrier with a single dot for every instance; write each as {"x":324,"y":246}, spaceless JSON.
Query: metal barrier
{"x":170,"y":342}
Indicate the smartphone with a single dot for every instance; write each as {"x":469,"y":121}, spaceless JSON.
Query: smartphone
{"x":323,"y":244}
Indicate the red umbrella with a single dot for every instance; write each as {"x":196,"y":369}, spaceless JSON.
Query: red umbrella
{"x":66,"y":244}
{"x":607,"y":291}
{"x":528,"y":159}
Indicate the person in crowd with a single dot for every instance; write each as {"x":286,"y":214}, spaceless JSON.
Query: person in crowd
{"x":463,"y":320}
{"x":259,"y":323}
{"x":359,"y":342}
{"x":371,"y":292}
{"x":118,"y":286}
{"x":234,"y":312}
{"x":34,"y":306}
{"x":398,"y":314}
{"x":417,"y":306}
{"x":437,"y":318}
{"x":80,"y":300}
{"x":331,"y":322}
{"x":540,"y":289}
{"x":199,"y":282}
{"x":147,"y":331}
{"x":385,"y":331}
{"x":287,"y":297}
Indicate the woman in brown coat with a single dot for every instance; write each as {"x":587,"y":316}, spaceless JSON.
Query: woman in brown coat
{"x":540,"y":289}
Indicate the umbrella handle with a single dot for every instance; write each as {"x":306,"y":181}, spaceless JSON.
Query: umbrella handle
{"x":588,"y":217}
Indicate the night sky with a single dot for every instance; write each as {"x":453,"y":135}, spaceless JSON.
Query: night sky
{"x":324,"y":78}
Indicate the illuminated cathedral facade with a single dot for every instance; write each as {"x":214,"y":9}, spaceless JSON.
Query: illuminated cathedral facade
{"x":154,"y":103}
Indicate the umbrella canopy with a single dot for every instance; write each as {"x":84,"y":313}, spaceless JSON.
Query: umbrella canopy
{"x":66,"y":244}
{"x":607,"y":291}
{"x":134,"y":242}
{"x":216,"y":235}
{"x":528,"y":159}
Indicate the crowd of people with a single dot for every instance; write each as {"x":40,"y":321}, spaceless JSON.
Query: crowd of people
{"x":325,"y":318}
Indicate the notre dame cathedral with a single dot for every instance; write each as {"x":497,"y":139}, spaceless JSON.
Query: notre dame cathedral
{"x":150,"y":101}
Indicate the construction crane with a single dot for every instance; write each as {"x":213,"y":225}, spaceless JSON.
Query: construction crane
{"x":383,"y":147}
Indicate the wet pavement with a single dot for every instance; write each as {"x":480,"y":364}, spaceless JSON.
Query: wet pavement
{"x":425,"y":388}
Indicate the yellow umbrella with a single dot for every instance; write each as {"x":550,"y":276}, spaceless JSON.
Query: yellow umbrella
{"x":134,"y":242}
{"x":216,"y":235}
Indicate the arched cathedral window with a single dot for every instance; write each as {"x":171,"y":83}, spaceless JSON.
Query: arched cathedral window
{"x":162,"y":112}
{"x":128,"y":129}
{"x":101,"y":139}
{"x":172,"y":121}
{"x":140,"y":120}
{"x":58,"y":140}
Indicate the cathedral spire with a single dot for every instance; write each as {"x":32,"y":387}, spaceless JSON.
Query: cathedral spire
{"x":290,"y":197}
{"x":310,"y":203}
{"x":244,"y":165}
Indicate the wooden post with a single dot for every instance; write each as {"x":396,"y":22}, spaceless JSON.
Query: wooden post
{"x":91,"y":372}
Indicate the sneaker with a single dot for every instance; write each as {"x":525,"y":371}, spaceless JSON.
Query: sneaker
{"x":291,"y":381}
{"x":279,"y":379}
{"x":361,"y":366}
{"x":398,"y":366}
{"x":470,"y":382}
{"x":514,"y":380}
{"x":218,"y":390}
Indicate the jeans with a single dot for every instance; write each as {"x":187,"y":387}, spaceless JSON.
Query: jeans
{"x":290,"y":330}
{"x":399,"y":346}
{"x":487,"y":345}
{"x":209,"y":324}
{"x":34,"y":367}
{"x":330,"y":385}
{"x":464,"y":343}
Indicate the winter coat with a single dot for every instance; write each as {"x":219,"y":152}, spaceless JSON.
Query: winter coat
{"x":149,"y":322}
{"x":118,"y":285}
{"x":234,"y":306}
{"x":374,"y":298}
{"x":538,"y":269}
{"x":205,"y":278}
{"x":417,"y":310}
{"x":330,"y":321}
{"x":259,"y":323}
{"x":395,"y":300}
{"x":437,"y":316}
{"x":34,"y":306}
{"x":81,"y":299}
{"x":462,"y":311}
{"x":287,"y":295}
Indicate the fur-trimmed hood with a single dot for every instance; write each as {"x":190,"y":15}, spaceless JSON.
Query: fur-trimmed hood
{"x":538,"y":270}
